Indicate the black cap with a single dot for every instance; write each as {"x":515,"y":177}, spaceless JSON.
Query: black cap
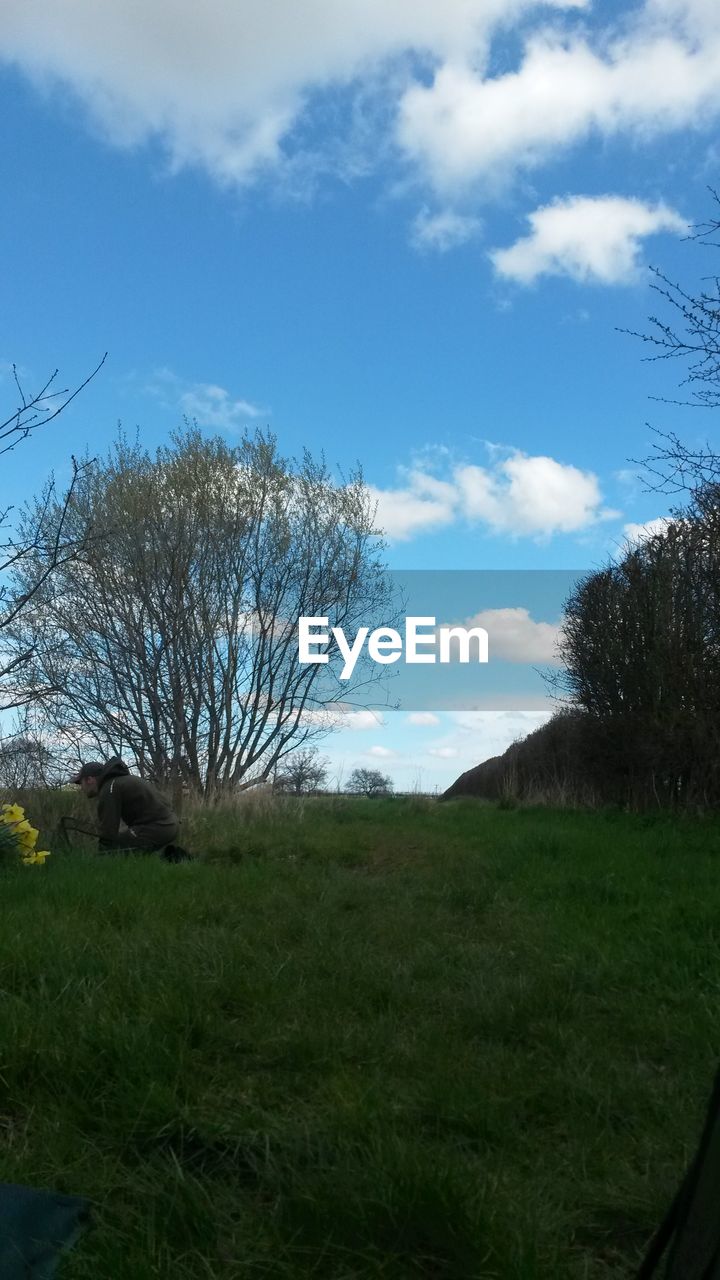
{"x":90,"y":770}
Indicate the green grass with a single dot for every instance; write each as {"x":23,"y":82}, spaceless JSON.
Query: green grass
{"x":365,"y":1039}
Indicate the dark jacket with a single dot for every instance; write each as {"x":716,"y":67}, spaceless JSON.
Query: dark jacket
{"x":124,"y":798}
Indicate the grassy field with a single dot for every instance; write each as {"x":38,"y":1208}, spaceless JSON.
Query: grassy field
{"x":387,"y":1038}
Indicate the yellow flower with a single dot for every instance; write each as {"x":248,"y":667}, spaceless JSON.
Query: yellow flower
{"x":12,"y":813}
{"x":36,"y":859}
{"x":26,"y":835}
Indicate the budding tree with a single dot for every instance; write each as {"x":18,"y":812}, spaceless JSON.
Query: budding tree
{"x":173,"y":639}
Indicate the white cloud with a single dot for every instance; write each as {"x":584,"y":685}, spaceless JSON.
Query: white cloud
{"x":423,"y":718}
{"x":237,"y":88}
{"x":586,"y":238}
{"x":361,"y":720}
{"x":484,"y":734}
{"x":531,"y":494}
{"x":518,"y":494}
{"x":513,"y":636}
{"x":213,"y":406}
{"x":423,"y":505}
{"x":692,"y":18}
{"x":223,"y":86}
{"x":516,"y":722}
{"x":382,"y":753}
{"x":641,"y":532}
{"x":664,"y":76}
{"x":442,"y":231}
{"x":475,"y":736}
{"x":469,"y":738}
{"x":338,"y":716}
{"x":209,"y":404}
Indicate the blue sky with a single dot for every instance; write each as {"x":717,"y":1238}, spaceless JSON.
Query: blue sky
{"x":404,"y":233}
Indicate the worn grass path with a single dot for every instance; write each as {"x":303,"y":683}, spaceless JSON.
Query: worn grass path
{"x":366,"y":1039}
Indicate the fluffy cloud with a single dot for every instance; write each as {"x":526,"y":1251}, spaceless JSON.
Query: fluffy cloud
{"x":239,"y":89}
{"x":518,"y":495}
{"x":423,"y":718}
{"x":224,"y":86}
{"x":587,"y":239}
{"x":475,"y":736}
{"x":464,"y":126}
{"x":692,"y":18}
{"x":513,"y":636}
{"x":423,"y":505}
{"x":532,"y":495}
{"x":509,"y":724}
{"x":443,"y":231}
{"x":361,"y":720}
{"x":466,"y":738}
{"x":213,"y":406}
{"x":641,"y":532}
{"x":209,"y":404}
{"x":339,"y":716}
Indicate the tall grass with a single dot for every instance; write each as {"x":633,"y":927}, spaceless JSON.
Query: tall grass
{"x":385,"y":1038}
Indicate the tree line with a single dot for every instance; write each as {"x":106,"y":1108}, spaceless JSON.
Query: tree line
{"x":639,"y":687}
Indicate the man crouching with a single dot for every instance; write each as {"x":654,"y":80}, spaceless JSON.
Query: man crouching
{"x":132,"y":815}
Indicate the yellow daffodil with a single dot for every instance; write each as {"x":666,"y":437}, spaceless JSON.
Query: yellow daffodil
{"x":12,"y":813}
{"x":21,"y":835}
{"x":36,"y":859}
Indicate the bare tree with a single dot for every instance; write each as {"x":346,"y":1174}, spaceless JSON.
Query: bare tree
{"x":690,"y":334}
{"x":24,"y":762}
{"x":369,"y":782}
{"x":694,"y":334}
{"x":173,"y":638}
{"x":41,"y":535}
{"x":304,"y":771}
{"x":37,"y":408}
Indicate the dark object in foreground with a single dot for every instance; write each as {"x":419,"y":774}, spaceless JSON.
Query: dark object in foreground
{"x":691,"y":1225}
{"x":176,"y":853}
{"x":35,"y":1228}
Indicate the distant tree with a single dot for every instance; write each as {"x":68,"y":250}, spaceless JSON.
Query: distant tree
{"x":303,"y":772}
{"x":369,"y":782}
{"x":24,"y":762}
